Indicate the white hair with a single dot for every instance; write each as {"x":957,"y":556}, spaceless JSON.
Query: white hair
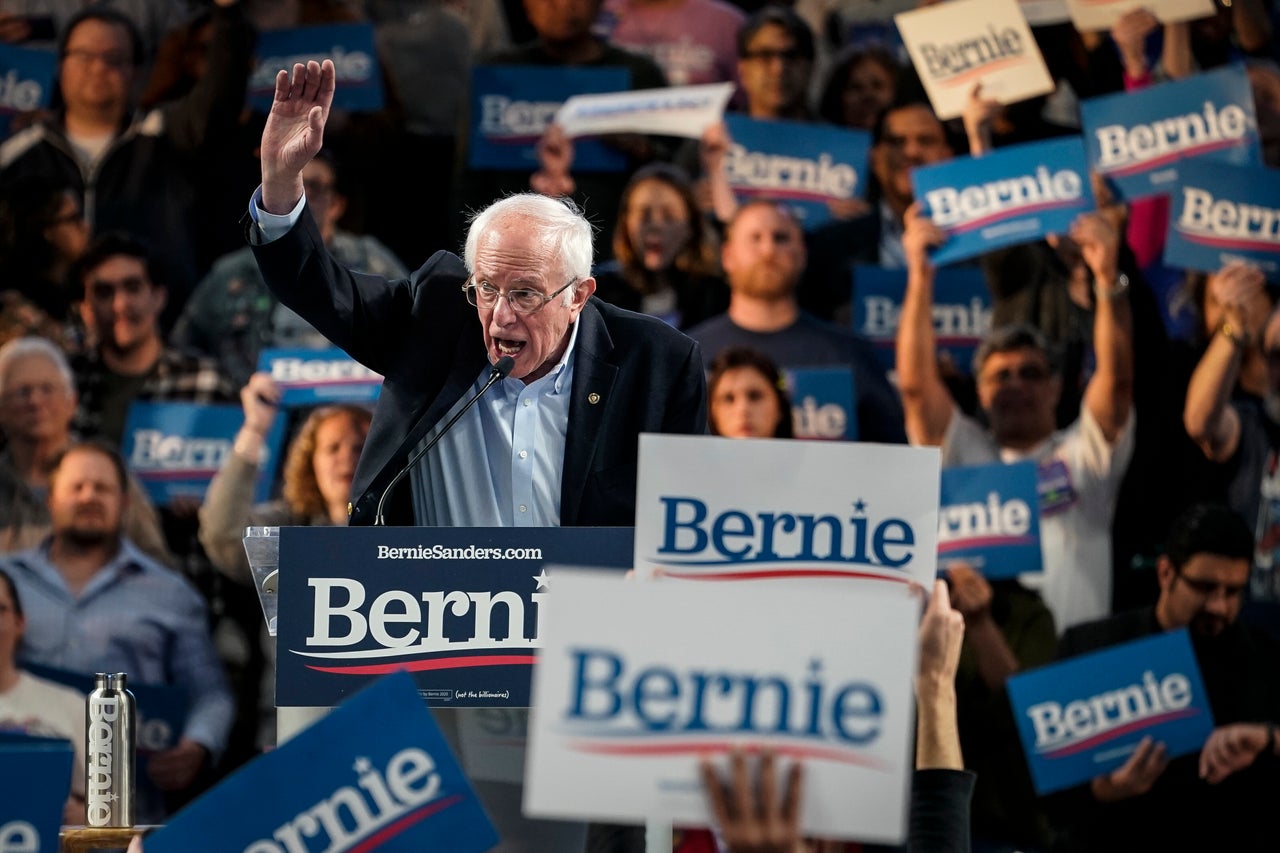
{"x":35,"y":346}
{"x":560,"y":222}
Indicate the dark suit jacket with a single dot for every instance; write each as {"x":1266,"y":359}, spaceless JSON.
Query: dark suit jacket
{"x":632,"y":373}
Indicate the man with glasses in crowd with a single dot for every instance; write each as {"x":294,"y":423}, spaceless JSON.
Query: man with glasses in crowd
{"x":1222,"y":797}
{"x":1019,"y":382}
{"x":1241,"y":431}
{"x":555,"y":444}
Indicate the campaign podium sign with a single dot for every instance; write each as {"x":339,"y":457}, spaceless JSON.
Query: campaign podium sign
{"x":26,"y":84}
{"x":374,"y":774}
{"x":33,"y":788}
{"x":1139,"y":140}
{"x":721,"y":509}
{"x":989,"y":519}
{"x":351,"y":47}
{"x":458,"y":607}
{"x":174,"y":449}
{"x":1223,"y":213}
{"x":1085,"y":716}
{"x":822,"y":403}
{"x":623,"y":708}
{"x":1094,"y":15}
{"x":512,"y":105}
{"x":309,"y":377}
{"x":161,"y":708}
{"x":1012,"y":195}
{"x":803,"y":164}
{"x":957,"y":45}
{"x":961,"y":311}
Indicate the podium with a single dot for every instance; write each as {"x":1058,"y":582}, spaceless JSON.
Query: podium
{"x":456,"y":606}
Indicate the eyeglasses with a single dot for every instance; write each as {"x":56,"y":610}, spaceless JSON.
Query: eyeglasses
{"x":765,"y":54}
{"x":1207,"y":589}
{"x":522,"y":300}
{"x":111,"y":58}
{"x":1029,"y":373}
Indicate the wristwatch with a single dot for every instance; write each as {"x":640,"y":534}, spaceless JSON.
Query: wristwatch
{"x":1237,"y":336}
{"x":1117,"y":290}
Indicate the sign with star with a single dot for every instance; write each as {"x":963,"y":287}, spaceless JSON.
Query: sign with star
{"x":765,"y":509}
{"x":458,"y":607}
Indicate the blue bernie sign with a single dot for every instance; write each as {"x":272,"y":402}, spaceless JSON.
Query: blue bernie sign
{"x":822,"y":403}
{"x":161,"y":708}
{"x":1223,"y":213}
{"x":1012,"y":195}
{"x":961,"y":311}
{"x":355,"y":62}
{"x":309,"y":377}
{"x":989,"y":518}
{"x":511,"y":106}
{"x":33,"y":788}
{"x":374,"y":774}
{"x":808,"y":166}
{"x":26,"y":82}
{"x":1085,"y":716}
{"x":174,"y":449}
{"x":1140,"y":140}
{"x":459,"y":607}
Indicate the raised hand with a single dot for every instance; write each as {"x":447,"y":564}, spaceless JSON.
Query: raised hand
{"x":1240,"y":290}
{"x":294,"y":131}
{"x":749,"y":813}
{"x":918,"y":235}
{"x":1099,"y":242}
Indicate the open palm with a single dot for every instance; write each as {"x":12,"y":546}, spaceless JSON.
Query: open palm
{"x":294,"y":131}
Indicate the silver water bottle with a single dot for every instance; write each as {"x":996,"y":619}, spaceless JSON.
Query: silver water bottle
{"x":110,"y":751}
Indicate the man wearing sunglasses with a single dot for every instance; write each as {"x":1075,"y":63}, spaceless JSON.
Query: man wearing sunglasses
{"x":1019,"y":383}
{"x":553,"y":444}
{"x":1221,"y":798}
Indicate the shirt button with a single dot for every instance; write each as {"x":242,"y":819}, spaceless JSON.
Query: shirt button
{"x":523,"y":508}
{"x":526,"y":403}
{"x":523,"y":454}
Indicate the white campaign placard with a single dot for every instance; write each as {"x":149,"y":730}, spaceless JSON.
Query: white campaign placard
{"x":959,"y":44}
{"x":734,"y":509}
{"x":637,"y":680}
{"x":1089,"y":15}
{"x":1038,"y":12}
{"x":673,"y":111}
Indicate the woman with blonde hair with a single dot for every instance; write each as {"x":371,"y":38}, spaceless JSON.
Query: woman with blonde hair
{"x":318,"y":469}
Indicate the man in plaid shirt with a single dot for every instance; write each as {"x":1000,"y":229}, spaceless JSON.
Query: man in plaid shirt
{"x":128,"y":358}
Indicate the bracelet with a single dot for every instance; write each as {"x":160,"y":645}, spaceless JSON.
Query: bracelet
{"x":1237,"y":336}
{"x":1121,"y":285}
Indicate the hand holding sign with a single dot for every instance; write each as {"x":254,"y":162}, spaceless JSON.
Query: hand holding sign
{"x":294,"y":131}
{"x":1099,"y":243}
{"x":1130,"y":35}
{"x":555,"y":156}
{"x":1240,"y":291}
{"x":1231,"y":748}
{"x":919,"y":234}
{"x":749,"y":814}
{"x":1135,"y":777}
{"x":979,"y":115}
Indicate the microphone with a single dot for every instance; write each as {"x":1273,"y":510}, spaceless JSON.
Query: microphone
{"x":499,"y":372}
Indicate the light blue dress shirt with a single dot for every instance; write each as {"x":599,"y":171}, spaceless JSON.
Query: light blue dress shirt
{"x":502,"y":465}
{"x":133,"y":616}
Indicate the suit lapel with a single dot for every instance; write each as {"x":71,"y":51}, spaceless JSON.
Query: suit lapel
{"x":593,"y":378}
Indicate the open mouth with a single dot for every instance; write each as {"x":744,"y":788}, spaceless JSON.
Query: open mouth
{"x":508,"y":347}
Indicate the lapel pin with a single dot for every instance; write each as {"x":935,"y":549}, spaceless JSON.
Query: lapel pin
{"x":593,"y":398}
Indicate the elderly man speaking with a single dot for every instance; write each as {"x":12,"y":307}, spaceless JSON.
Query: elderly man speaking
{"x":555,"y":447}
